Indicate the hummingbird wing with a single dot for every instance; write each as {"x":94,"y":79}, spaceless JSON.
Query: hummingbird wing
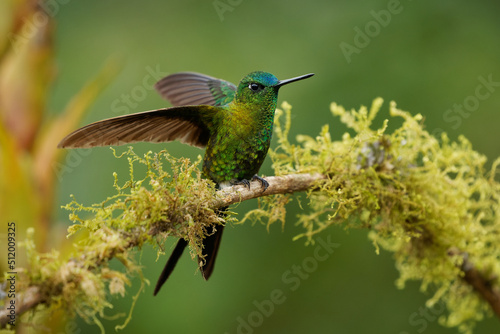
{"x":190,"y":88}
{"x":187,"y":124}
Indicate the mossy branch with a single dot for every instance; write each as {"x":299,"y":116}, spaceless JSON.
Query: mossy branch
{"x":430,"y":202}
{"x":34,"y":295}
{"x":478,"y":281}
{"x":48,"y":292}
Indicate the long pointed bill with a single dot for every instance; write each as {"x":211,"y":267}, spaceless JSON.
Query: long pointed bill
{"x":287,"y":81}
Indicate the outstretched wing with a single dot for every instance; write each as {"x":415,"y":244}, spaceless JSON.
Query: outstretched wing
{"x":187,"y":124}
{"x":189,"y":88}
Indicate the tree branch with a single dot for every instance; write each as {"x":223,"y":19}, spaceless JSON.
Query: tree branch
{"x":277,"y":185}
{"x":479,"y":282}
{"x":25,"y":302}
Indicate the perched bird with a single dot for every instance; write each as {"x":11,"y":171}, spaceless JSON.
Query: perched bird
{"x":234,"y":124}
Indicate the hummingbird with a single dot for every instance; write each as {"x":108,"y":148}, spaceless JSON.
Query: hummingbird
{"x":233,"y":123}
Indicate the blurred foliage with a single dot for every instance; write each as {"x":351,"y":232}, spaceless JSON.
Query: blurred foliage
{"x":28,"y":140}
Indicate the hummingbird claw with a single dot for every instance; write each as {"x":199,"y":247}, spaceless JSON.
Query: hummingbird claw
{"x":263,"y":182}
{"x":244,"y":182}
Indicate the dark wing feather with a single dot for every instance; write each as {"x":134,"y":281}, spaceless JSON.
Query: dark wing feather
{"x":185,"y":124}
{"x":189,"y":88}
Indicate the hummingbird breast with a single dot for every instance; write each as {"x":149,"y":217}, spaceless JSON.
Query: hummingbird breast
{"x":238,"y":147}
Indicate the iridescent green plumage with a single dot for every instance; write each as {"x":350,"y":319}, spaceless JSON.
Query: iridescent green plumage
{"x":235,"y":124}
{"x":242,"y":132}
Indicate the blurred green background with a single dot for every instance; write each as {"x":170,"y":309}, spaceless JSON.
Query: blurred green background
{"x":427,"y":57}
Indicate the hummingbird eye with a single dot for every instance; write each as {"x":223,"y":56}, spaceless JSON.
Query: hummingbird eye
{"x":255,"y":87}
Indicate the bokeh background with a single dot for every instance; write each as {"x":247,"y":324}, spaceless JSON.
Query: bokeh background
{"x":427,"y":56}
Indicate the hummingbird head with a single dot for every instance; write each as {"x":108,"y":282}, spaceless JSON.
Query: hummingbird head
{"x":261,"y":89}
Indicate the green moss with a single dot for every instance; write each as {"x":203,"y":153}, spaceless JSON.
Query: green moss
{"x":147,"y":210}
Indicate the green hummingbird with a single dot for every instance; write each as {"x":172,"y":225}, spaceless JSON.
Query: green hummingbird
{"x":233,"y":123}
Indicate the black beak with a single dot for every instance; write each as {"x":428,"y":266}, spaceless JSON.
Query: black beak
{"x":287,"y":81}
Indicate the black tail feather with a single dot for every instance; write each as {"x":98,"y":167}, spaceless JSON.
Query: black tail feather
{"x":169,"y":267}
{"x":211,"y":247}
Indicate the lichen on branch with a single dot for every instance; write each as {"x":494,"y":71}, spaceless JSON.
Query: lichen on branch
{"x":422,"y":198}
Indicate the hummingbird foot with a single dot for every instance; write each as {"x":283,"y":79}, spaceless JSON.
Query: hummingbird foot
{"x":263,"y":182}
{"x":244,"y":182}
